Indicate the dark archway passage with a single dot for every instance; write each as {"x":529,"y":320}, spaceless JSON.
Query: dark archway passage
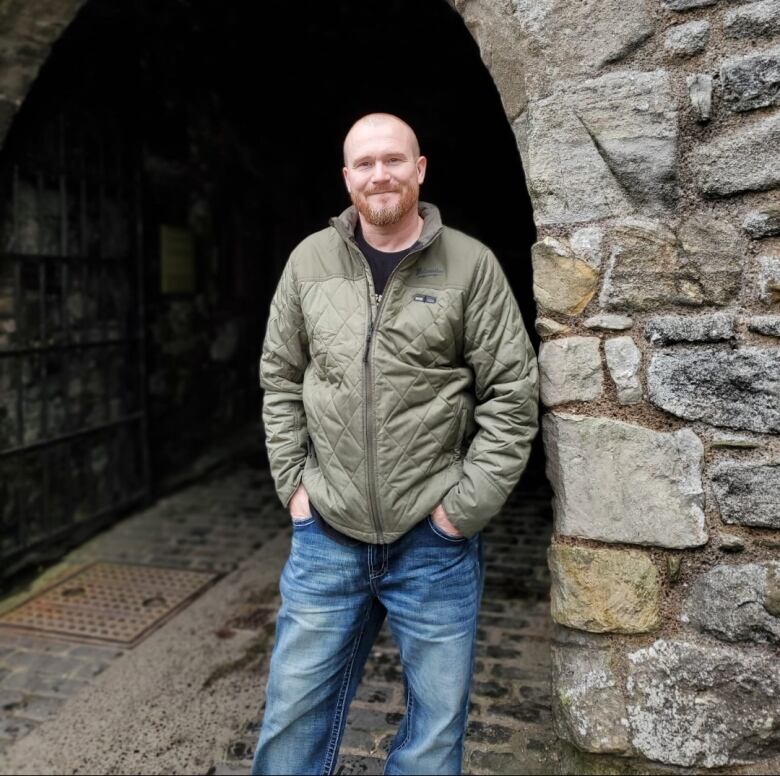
{"x":199,"y":143}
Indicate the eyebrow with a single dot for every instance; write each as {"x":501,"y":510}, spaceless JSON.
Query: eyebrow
{"x":366,"y":157}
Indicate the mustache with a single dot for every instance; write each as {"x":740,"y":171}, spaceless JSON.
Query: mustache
{"x":384,"y":191}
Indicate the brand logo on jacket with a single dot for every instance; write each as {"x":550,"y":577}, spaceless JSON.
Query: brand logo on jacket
{"x":425,"y":298}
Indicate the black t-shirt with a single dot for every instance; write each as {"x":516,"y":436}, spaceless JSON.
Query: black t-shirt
{"x":382,"y":263}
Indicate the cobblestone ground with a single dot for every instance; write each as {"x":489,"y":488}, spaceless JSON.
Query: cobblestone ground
{"x":216,"y":523}
{"x":210,"y":526}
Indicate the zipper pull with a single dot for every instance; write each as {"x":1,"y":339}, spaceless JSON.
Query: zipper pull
{"x":368,"y":341}
{"x":378,"y":298}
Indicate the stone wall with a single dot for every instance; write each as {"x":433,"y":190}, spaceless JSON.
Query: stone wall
{"x":650,"y":137}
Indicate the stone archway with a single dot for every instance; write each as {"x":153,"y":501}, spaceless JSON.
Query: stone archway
{"x":650,"y":143}
{"x":654,"y":187}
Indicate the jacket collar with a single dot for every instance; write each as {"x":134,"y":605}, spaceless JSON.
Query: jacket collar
{"x":345,"y":223}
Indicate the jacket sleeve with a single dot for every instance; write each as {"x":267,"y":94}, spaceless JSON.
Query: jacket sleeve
{"x":282,"y":365}
{"x":497,"y":348}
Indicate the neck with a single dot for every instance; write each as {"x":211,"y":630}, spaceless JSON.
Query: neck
{"x":393,"y":237}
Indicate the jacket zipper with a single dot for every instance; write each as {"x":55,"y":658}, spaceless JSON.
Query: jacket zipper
{"x":370,"y":422}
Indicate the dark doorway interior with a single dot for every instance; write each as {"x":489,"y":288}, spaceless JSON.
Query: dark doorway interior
{"x":217,"y":128}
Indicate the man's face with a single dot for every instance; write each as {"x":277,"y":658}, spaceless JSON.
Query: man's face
{"x":382,"y":172}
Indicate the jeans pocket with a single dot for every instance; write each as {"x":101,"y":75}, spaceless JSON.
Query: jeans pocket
{"x":302,"y":522}
{"x":442,"y":535}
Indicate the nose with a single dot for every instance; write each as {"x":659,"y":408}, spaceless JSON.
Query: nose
{"x":379,"y":172}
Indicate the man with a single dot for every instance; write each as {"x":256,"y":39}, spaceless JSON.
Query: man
{"x":400,"y":404}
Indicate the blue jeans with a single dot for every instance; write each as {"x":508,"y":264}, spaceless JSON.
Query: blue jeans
{"x":336,"y":592}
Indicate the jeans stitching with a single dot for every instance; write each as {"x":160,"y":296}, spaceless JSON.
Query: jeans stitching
{"x":338,"y":718}
{"x":409,"y":709}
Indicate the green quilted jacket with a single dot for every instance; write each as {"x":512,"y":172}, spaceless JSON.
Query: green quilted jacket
{"x":387,"y":405}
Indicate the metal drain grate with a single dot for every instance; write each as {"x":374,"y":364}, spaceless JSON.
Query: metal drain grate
{"x":118,"y":603}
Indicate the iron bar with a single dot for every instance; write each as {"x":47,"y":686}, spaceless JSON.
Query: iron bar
{"x":67,"y":346}
{"x":44,"y":443}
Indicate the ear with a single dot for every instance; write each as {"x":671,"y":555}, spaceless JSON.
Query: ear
{"x":422,"y":166}
{"x":345,"y":173}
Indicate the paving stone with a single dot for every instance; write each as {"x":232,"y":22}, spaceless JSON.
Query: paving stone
{"x":486,"y":733}
{"x":737,"y":388}
{"x":752,"y":81}
{"x":14,"y":727}
{"x":45,"y":684}
{"x":39,"y":708}
{"x":43,"y":663}
{"x":352,"y":764}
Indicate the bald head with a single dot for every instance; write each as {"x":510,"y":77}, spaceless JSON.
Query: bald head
{"x":377,"y":122}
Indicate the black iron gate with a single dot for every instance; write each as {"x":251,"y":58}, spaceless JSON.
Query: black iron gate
{"x":73,"y":433}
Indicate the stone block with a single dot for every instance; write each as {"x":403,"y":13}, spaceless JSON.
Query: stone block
{"x":762,"y":223}
{"x":570,"y":370}
{"x":700,"y":94}
{"x":562,"y":282}
{"x":587,"y":245}
{"x":554,"y":31}
{"x":686,"y":5}
{"x":604,"y":590}
{"x":623,"y":360}
{"x":732,"y":603}
{"x":667,"y":329}
{"x":547,"y":327}
{"x":619,"y":482}
{"x":769,"y":279}
{"x":747,"y":493}
{"x":743,"y":159}
{"x":603,"y":148}
{"x":768,"y":325}
{"x":737,"y":388}
{"x":751,"y":81}
{"x":685,"y":40}
{"x":755,"y":20}
{"x":588,"y":705}
{"x":650,"y":267}
{"x":609,"y":321}
{"x":699,"y":705}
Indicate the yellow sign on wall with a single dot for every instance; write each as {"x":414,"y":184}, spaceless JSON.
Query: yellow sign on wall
{"x":177,"y":260}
